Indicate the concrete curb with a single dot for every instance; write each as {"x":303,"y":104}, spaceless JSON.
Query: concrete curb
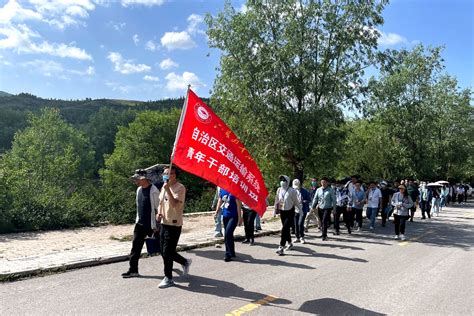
{"x":7,"y":277}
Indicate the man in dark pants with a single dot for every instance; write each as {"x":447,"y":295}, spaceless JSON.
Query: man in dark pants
{"x":249,"y":224}
{"x":342,"y":199}
{"x":413,"y":192}
{"x":147,"y":201}
{"x":325,"y":201}
{"x":170,"y":212}
{"x":386,"y":198}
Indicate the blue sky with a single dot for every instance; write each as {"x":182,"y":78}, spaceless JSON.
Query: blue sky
{"x":151,"y":49}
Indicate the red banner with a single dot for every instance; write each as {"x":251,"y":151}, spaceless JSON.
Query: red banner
{"x":206,"y":147}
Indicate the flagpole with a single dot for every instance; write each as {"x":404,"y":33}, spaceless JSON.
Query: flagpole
{"x":180,"y":125}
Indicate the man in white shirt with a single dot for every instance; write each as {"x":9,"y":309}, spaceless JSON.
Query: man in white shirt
{"x":374,"y":201}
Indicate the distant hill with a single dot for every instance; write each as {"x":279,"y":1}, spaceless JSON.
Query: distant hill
{"x":4,"y":94}
{"x":14,"y":110}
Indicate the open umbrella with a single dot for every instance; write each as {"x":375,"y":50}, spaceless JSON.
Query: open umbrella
{"x":434,"y":185}
{"x":442,"y":182}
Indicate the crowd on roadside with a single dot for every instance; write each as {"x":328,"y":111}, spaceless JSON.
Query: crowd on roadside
{"x":327,"y":200}
{"x":160,"y":212}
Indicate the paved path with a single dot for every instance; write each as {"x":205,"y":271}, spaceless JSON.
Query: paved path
{"x":36,"y":252}
{"x":360,"y":274}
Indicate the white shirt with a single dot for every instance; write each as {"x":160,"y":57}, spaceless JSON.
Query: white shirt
{"x":373,"y":197}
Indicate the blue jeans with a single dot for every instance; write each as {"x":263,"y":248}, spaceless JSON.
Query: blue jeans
{"x":218,"y":228}
{"x":372,"y":214}
{"x":257,"y":222}
{"x":299,"y":224}
{"x":230,"y":223}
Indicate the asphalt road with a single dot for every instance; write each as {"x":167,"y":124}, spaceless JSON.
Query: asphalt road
{"x":432,"y":273}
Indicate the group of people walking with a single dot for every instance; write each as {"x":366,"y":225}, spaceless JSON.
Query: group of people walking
{"x":160,"y":211}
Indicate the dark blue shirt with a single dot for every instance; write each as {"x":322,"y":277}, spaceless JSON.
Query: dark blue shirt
{"x":305,"y":199}
{"x":229,"y":204}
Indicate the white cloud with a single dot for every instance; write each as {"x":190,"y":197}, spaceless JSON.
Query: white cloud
{"x":150,"y":45}
{"x":181,"y":82}
{"x":63,"y":13}
{"x":19,"y":39}
{"x":168,"y":63}
{"x":177,"y":40}
{"x":126,"y":66}
{"x":49,"y":68}
{"x":136,"y":40}
{"x":118,"y":26}
{"x":391,"y":39}
{"x":13,"y":12}
{"x":148,"y":3}
{"x":194,"y":20}
{"x":151,"y":78}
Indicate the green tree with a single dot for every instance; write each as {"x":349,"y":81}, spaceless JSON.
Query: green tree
{"x":426,"y":120}
{"x":49,"y":160}
{"x":286,"y":71}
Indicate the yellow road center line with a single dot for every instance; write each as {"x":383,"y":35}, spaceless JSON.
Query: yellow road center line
{"x":252,"y":306}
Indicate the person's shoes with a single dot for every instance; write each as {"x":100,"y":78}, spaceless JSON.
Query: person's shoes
{"x":423,"y":217}
{"x":358,"y":229}
{"x":411,"y":219}
{"x":293,"y":232}
{"x":325,"y":238}
{"x":246,"y":241}
{"x":336,"y":233}
{"x":186,"y":267}
{"x":396,"y":237}
{"x":371,"y":228}
{"x":402,"y":237}
{"x":227,"y":259}
{"x":305,"y":230}
{"x":302,"y":240}
{"x":258,"y":228}
{"x":349,"y":231}
{"x":280,"y":251}
{"x":130,"y":274}
{"x":217,"y":235}
{"x":289,"y":247}
{"x":297,"y":240}
{"x":252,"y":242}
{"x":166,"y":282}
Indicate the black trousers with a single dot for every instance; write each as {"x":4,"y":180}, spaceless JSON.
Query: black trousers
{"x":325,"y":215}
{"x":337,"y":216}
{"x":139,"y":235}
{"x":169,"y":237}
{"x":358,"y":216}
{"x":425,"y":208}
{"x":348,"y":216}
{"x":249,"y":223}
{"x":400,"y":223}
{"x":287,"y":220}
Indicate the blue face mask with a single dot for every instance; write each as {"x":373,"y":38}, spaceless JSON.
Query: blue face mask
{"x":166,"y":178}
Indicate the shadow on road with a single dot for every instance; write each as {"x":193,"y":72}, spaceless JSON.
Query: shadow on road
{"x":330,"y":306}
{"x":199,"y":284}
{"x":241,"y":257}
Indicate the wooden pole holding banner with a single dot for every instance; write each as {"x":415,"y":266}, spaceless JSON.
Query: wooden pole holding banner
{"x":180,"y":125}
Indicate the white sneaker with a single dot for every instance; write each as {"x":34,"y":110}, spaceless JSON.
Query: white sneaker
{"x":280,"y":251}
{"x":166,"y":283}
{"x":402,"y":237}
{"x":217,"y":235}
{"x":289,"y":247}
{"x":358,"y":229}
{"x":186,"y":267}
{"x":396,"y":237}
{"x":297,"y":240}
{"x":302,"y":240}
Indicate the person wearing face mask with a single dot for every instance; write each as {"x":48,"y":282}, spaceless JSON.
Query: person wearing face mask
{"x":386,"y":206}
{"x":325,"y":202}
{"x":374,"y":201}
{"x":342,"y":199}
{"x":301,"y":213}
{"x":356,"y":205}
{"x":170,"y":212}
{"x":312,"y":214}
{"x":287,"y":200}
{"x":147,"y":201}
